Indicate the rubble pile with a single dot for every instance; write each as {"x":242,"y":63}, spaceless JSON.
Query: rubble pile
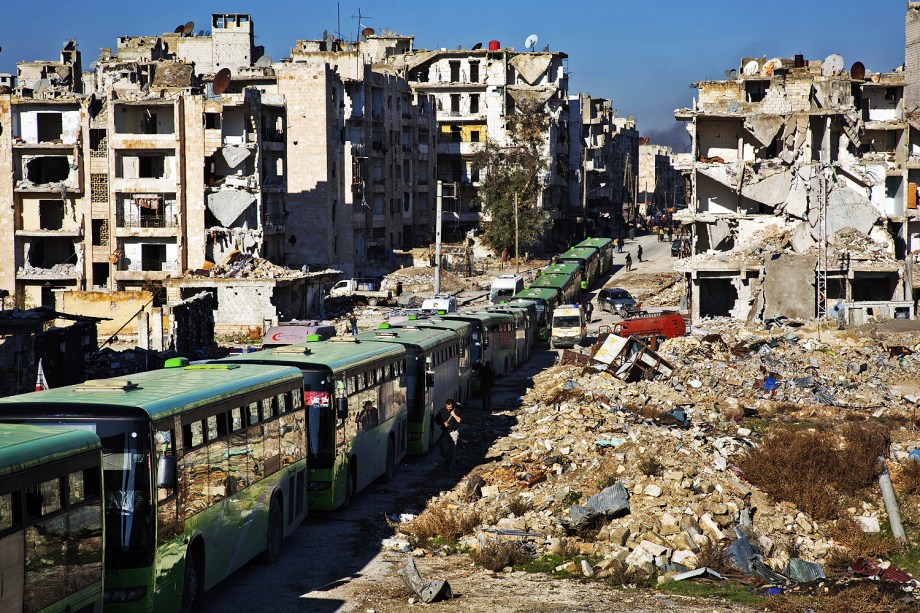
{"x":653,"y":289}
{"x":247,"y":266}
{"x":420,"y":280}
{"x":643,"y":474}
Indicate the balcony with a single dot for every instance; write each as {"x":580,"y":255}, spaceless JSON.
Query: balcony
{"x":146,"y":221}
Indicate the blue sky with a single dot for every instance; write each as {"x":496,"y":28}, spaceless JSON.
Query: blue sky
{"x":643,"y":55}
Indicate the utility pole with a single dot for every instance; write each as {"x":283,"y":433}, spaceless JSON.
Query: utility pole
{"x":437,"y":239}
{"x":584,"y":190}
{"x":517,"y":258}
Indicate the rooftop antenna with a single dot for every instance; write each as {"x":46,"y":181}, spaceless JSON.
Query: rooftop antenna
{"x":359,"y":17}
{"x":531,"y":41}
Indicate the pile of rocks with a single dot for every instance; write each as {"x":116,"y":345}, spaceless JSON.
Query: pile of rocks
{"x":643,"y":474}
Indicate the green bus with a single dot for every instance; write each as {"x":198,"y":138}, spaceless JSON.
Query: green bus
{"x":546,"y":299}
{"x":526,"y":326}
{"x":51,"y":520}
{"x":567,"y":284}
{"x":432,"y":372}
{"x":604,"y":248}
{"x":519,"y":325}
{"x":464,"y":330}
{"x":203,"y":468}
{"x":589,"y":260}
{"x":356,"y":409}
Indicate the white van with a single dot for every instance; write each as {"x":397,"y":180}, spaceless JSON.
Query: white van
{"x":440,"y":304}
{"x":505,"y":287}
{"x":569,"y":327}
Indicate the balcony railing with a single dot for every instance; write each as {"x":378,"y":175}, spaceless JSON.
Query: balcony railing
{"x":146,"y":221}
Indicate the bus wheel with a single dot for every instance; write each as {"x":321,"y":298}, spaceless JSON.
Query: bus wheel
{"x":391,"y":462}
{"x":191,"y":591}
{"x":350,"y":484}
{"x":274,"y":534}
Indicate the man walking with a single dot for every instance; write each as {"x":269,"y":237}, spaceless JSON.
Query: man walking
{"x":589,"y":309}
{"x":450,"y":433}
{"x":628,"y":262}
{"x":639,"y":253}
{"x":353,"y":323}
{"x":486,"y":381}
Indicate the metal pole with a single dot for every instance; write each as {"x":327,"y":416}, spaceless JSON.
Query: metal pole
{"x":517,"y":259}
{"x":437,"y":242}
{"x":584,"y":190}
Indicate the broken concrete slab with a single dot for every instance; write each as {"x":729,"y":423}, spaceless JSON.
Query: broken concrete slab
{"x":846,"y":208}
{"x":789,"y":286}
{"x":531,"y":66}
{"x":227,"y":205}
{"x":764,"y":128}
{"x":769,"y":186}
{"x":234,"y":156}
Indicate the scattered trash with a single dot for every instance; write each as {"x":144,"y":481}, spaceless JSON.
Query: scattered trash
{"x":703,"y":571}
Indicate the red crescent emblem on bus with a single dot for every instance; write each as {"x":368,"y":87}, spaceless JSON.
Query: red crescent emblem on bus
{"x":276,"y":336}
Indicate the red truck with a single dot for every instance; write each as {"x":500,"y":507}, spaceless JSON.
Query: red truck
{"x":652,"y":327}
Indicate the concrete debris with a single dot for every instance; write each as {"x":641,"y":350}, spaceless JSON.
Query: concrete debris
{"x":228,"y":204}
{"x":234,"y":156}
{"x":428,"y":591}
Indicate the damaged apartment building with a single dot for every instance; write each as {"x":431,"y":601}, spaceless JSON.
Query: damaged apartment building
{"x":474,"y":90}
{"x":802,"y":192}
{"x":600,"y":165}
{"x":157,"y":162}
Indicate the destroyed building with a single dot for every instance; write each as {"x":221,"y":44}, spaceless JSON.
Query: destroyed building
{"x":600,"y":165}
{"x":661,"y":184}
{"x":802,"y":193}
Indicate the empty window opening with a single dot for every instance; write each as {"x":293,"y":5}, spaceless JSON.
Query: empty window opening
{"x":212,"y":121}
{"x":51,"y":214}
{"x":717,"y":297}
{"x":474,"y":103}
{"x":755,"y":90}
{"x":454,"y":71}
{"x":50,"y":252}
{"x":474,"y":136}
{"x":100,"y":274}
{"x":98,"y":143}
{"x":50,"y":127}
{"x":455,"y":103}
{"x":474,"y":72}
{"x":455,"y":134}
{"x":47,"y":170}
{"x":100,"y":233}
{"x":153,"y":257}
{"x":151,"y":167}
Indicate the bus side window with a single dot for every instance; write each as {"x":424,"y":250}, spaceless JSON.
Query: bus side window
{"x":256,"y":444}
{"x":282,"y":403}
{"x":238,"y":476}
{"x":296,"y":399}
{"x":7,"y":512}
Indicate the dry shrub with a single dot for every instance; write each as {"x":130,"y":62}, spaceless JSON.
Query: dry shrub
{"x":497,"y":556}
{"x":813,"y":469}
{"x":518,"y":505}
{"x":442,"y":523}
{"x":714,"y":555}
{"x":650,"y":466}
{"x":837,"y":563}
{"x":909,"y":478}
{"x":566,"y":548}
{"x":849,"y":534}
{"x":861,"y":597}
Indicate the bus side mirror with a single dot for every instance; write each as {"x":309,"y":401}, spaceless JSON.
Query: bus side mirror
{"x":341,"y":407}
{"x":429,"y":378}
{"x":166,"y":472}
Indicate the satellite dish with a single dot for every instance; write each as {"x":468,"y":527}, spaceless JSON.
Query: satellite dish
{"x":751,"y":68}
{"x":264,"y":62}
{"x":532,"y":41}
{"x":325,"y":34}
{"x":188,"y":28}
{"x":367,"y":32}
{"x":221,"y":81}
{"x":771,"y":65}
{"x":731,"y":75}
{"x":179,"y":29}
{"x":477,"y":46}
{"x":631,"y":118}
{"x":831,"y":65}
{"x":858,"y":71}
{"x":200,"y":32}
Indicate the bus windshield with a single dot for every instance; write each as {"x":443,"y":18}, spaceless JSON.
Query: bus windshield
{"x":129,"y":541}
{"x":320,"y":416}
{"x":567,"y":322}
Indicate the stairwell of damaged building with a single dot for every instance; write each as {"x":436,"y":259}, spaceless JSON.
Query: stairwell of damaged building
{"x":769,"y":147}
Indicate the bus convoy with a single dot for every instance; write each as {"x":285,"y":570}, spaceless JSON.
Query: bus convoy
{"x":141,"y":494}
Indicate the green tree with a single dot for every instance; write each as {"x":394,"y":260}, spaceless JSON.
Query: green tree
{"x":514,"y":169}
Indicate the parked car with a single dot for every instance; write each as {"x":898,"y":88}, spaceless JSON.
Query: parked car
{"x":616,"y":300}
{"x":675,"y":248}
